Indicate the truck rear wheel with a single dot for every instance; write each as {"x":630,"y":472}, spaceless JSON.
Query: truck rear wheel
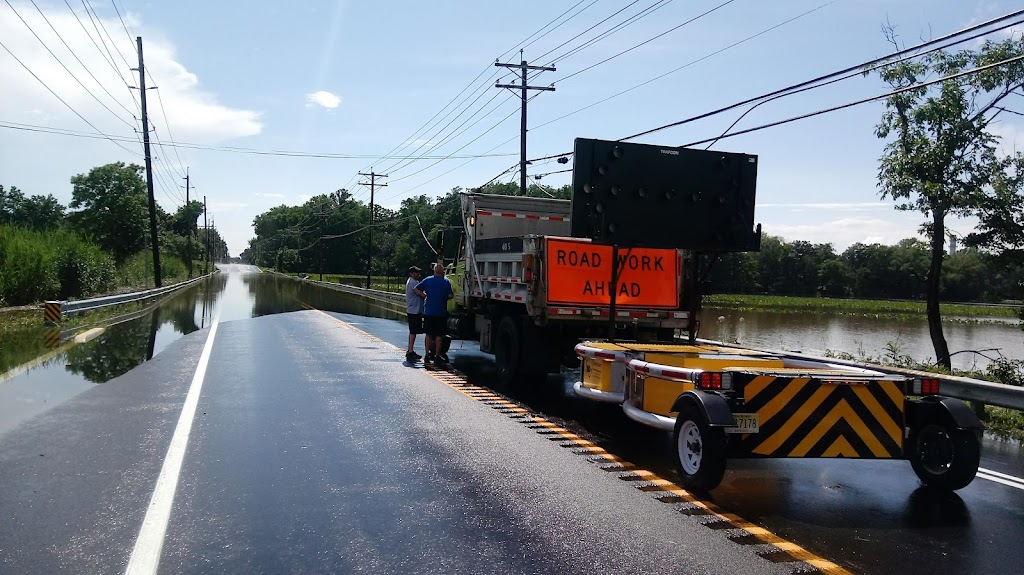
{"x":945,"y":457}
{"x":700,"y":450}
{"x":507,"y":349}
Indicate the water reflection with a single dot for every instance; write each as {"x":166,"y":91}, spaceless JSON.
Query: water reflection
{"x":860,"y":335}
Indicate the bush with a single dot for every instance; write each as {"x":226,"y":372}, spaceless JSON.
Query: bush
{"x":83,"y":269}
{"x":36,"y":266}
{"x":137,"y":270}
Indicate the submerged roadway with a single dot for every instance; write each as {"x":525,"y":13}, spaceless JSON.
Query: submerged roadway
{"x":302,"y":443}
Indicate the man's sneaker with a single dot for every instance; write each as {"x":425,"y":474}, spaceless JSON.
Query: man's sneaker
{"x":413,"y":356}
{"x":430,"y":358}
{"x":441,"y":360}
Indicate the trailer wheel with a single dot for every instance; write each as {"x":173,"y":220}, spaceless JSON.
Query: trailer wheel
{"x":700,"y":450}
{"x":507,"y":349}
{"x":945,"y":457}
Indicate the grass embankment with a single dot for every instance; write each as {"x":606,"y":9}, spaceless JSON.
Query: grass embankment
{"x":853,"y":307}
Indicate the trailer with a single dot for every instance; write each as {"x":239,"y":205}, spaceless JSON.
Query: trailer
{"x":725,"y":402}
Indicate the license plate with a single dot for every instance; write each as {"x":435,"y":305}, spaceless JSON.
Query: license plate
{"x":745,"y":423}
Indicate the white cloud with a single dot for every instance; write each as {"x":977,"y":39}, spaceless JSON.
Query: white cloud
{"x":846,"y":206}
{"x":844,"y":232}
{"x":194,"y":114}
{"x":324,"y":99}
{"x":271,"y":195}
{"x":219,"y":207}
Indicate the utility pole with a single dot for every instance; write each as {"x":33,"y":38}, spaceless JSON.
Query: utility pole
{"x":323,"y":216}
{"x":149,"y":169}
{"x":188,"y":235}
{"x":524,"y":87}
{"x":206,"y":229}
{"x":369,"y":241}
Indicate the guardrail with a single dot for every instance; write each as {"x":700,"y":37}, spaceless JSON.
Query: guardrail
{"x":965,"y":388}
{"x":53,"y":310}
{"x":355,"y":290}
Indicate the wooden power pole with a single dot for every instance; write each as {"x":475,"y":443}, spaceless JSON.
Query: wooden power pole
{"x":369,"y":240}
{"x":524,"y":88}
{"x":154,"y":239}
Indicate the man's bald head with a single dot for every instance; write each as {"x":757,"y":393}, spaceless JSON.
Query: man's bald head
{"x":438,"y":270}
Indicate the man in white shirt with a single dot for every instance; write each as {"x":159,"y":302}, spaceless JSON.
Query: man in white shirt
{"x":414,"y":311}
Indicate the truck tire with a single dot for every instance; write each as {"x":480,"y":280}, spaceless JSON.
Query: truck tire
{"x":700,"y":449}
{"x":944,"y":457}
{"x":508,"y":349}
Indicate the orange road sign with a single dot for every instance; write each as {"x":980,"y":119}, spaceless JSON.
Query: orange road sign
{"x":580,"y":273}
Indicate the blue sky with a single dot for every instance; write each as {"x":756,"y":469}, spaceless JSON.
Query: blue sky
{"x":358,"y":78}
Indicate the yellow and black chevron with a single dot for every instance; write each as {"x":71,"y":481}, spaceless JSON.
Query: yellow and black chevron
{"x":802,"y":417}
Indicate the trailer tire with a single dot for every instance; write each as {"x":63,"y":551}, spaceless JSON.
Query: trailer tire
{"x":945,"y":457}
{"x":700,"y":449}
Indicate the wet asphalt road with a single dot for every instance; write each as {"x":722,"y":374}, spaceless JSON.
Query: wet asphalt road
{"x":315,"y":449}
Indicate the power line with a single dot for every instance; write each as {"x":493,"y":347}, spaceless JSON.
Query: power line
{"x":79,"y":60}
{"x":399,"y":165}
{"x":231,"y":149}
{"x":616,"y":13}
{"x":62,"y":65}
{"x":485,"y":85}
{"x":831,"y":75}
{"x":898,"y":91}
{"x":531,"y":42}
{"x":62,"y":101}
{"x":649,"y":40}
{"x":614,"y":29}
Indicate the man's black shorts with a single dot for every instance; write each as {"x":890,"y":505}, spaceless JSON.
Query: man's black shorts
{"x":415,"y":323}
{"x":434,"y":325}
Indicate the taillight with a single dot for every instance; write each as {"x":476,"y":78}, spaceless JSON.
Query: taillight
{"x":714,"y":380}
{"x":926,"y":386}
{"x":527,"y":268}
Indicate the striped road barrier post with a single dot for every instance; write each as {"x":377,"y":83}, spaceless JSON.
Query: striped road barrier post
{"x":52,"y":312}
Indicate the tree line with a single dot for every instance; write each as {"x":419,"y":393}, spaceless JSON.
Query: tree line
{"x":867,"y":271}
{"x":330,"y":233}
{"x":98,"y":242}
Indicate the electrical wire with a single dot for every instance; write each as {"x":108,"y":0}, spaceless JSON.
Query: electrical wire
{"x":79,"y":60}
{"x":66,"y":69}
{"x":831,"y":75}
{"x":614,"y":14}
{"x":649,"y":40}
{"x":62,"y":101}
{"x":284,"y":153}
{"x":614,"y":29}
{"x":896,"y":92}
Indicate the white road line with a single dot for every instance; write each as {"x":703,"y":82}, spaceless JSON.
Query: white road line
{"x":1001,"y":478}
{"x":145,"y":557}
{"x":995,"y":479}
{"x":1003,"y":475}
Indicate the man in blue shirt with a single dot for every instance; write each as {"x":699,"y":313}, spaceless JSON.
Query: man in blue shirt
{"x":438,"y":290}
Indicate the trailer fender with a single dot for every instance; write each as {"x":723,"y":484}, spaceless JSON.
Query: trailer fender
{"x":714,"y":407}
{"x":945,"y":410}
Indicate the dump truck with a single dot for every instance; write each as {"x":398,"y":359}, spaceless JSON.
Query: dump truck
{"x":535,"y":276}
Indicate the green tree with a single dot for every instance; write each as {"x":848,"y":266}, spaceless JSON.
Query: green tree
{"x":111,"y":206}
{"x":941,"y":156}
